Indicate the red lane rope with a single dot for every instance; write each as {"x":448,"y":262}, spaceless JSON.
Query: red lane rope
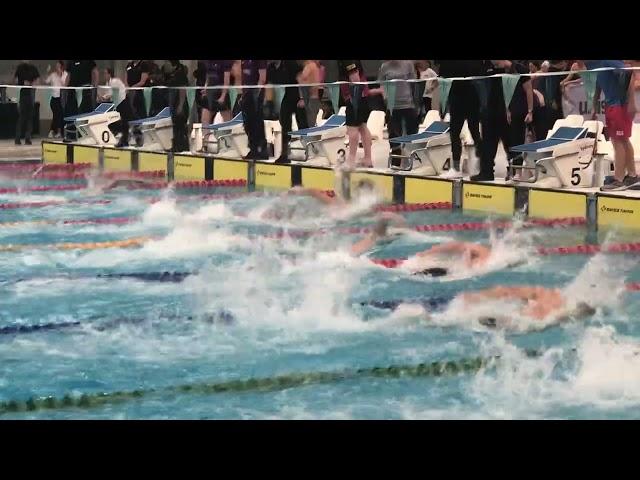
{"x":45,"y":188}
{"x":32,"y":167}
{"x":413,"y":207}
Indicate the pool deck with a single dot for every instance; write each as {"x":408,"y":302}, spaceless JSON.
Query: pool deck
{"x":10,"y":152}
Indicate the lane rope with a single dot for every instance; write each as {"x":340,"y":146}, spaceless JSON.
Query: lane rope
{"x":255,"y":384}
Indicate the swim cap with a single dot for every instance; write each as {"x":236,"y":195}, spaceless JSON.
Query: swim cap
{"x":433,"y":272}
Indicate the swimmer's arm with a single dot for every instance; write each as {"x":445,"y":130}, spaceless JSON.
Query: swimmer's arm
{"x":451,"y":247}
{"x":363,"y":246}
{"x":317,"y":194}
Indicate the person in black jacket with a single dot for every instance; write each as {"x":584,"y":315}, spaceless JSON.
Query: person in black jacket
{"x":501,"y":123}
{"x":286,"y":72}
{"x":26,"y":75}
{"x":175,"y":74}
{"x":464,"y":104}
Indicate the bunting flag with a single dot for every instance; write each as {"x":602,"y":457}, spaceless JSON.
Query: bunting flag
{"x":444,"y":86}
{"x":623,"y":77}
{"x":191,"y":97}
{"x":481,"y":85}
{"x":278,"y":95}
{"x":78,"y":97}
{"x":115,"y":95}
{"x":334,"y":95}
{"x":48,"y":93}
{"x":589,"y":83}
{"x":233,"y":96}
{"x":417,"y":92}
{"x":549,"y":90}
{"x":509,"y":84}
{"x":390,"y":92}
{"x":147,"y":98}
{"x":356,"y":94}
{"x":18,"y":94}
{"x":305,"y":96}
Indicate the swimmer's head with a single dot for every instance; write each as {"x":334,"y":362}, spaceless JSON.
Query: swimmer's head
{"x":364,"y":187}
{"x":433,"y":272}
{"x":381,"y":227}
{"x":582,"y":310}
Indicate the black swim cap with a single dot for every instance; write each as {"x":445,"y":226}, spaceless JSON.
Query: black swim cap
{"x":433,"y":272}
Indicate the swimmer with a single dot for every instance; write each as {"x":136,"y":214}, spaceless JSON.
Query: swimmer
{"x":130,"y":183}
{"x":541,"y":304}
{"x":334,"y":203}
{"x":361,"y":188}
{"x":473,"y":256}
{"x":379,"y":235}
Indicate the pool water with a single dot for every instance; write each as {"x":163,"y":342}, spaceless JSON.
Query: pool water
{"x":296,"y":305}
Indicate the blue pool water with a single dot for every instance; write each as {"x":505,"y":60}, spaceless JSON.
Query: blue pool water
{"x":297,"y":309}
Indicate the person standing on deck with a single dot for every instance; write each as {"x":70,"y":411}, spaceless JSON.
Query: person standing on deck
{"x":620,"y":108}
{"x":254,"y":72}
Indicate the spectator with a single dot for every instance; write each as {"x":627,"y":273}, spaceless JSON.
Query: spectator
{"x":573,"y":78}
{"x":553,"y":91}
{"x":236,"y":79}
{"x":82,"y":73}
{"x":26,"y":75}
{"x":540,"y":120}
{"x":404,"y":112}
{"x":200,"y":77}
{"x":464,"y":104}
{"x":425,"y":71}
{"x":500,"y":123}
{"x":122,"y":106}
{"x":218,"y":73}
{"x":310,"y":74}
{"x":138,"y":75}
{"x":57,"y":78}
{"x":254,"y":72}
{"x":351,"y":71}
{"x":620,"y":109}
{"x":176,"y":74}
{"x":159,"y":98}
{"x":287,"y":72}
{"x":520,"y":112}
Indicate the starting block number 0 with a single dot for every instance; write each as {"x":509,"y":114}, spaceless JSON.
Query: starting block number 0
{"x":105,"y":136}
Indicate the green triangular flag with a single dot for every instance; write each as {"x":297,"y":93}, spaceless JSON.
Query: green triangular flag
{"x":115,"y":95}
{"x":623,"y":77}
{"x":444,"y":86}
{"x":356,"y":92}
{"x":278,"y":94}
{"x":589,"y":82}
{"x":147,"y":98}
{"x":480,"y":85}
{"x":390,"y":92}
{"x":233,"y":95}
{"x":334,"y":95}
{"x":305,"y":95}
{"x":417,"y":92}
{"x":509,"y":84}
{"x":79,"y":96}
{"x":549,"y":91}
{"x":191,"y":97}
{"x":48,"y":93}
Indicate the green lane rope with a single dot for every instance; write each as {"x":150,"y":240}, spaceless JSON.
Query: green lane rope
{"x":281,"y":382}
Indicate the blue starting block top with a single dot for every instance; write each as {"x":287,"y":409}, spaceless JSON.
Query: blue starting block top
{"x":164,"y":113}
{"x":334,"y":121}
{"x":237,"y":120}
{"x":435,"y":129}
{"x":560,"y":136}
{"x":102,"y":108}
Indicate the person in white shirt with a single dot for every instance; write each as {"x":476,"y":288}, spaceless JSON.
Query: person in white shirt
{"x":106,"y":94}
{"x":57,"y":78}
{"x":116,"y":92}
{"x":424,"y":67}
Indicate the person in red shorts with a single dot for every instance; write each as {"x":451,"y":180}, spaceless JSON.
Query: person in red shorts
{"x":619,"y":112}
{"x":351,"y":71}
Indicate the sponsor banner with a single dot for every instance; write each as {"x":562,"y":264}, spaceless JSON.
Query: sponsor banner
{"x":488,"y":198}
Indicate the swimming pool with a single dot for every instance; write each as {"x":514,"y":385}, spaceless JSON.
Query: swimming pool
{"x":296,"y":305}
